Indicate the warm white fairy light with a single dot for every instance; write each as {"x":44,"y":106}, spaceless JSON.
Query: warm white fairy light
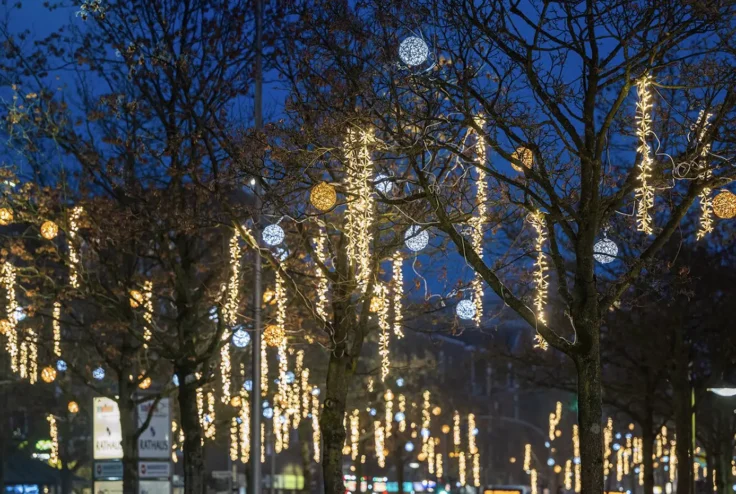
{"x":397,"y":283}
{"x":32,"y":356}
{"x":620,"y":465}
{"x":23,"y":359}
{"x":402,"y":411}
{"x":638,"y":450}
{"x":439,"y":468}
{"x":641,"y":474}
{"x":379,"y":295}
{"x":379,"y":443}
{"x":673,"y":461}
{"x":706,"y":202}
{"x":430,"y":455}
{"x":285,"y":434}
{"x":645,"y":191}
{"x":56,"y":324}
{"x":73,"y":254}
{"x":282,"y":396}
{"x":306,"y":393}
{"x":148,"y":310}
{"x":426,"y":419}
{"x":456,"y":440}
{"x":225,"y":370}
{"x":263,"y":442}
{"x":7,"y":277}
{"x":476,"y":469}
{"x":576,"y":453}
{"x":359,"y":213}
{"x":278,"y":440}
{"x":354,"y":433}
{"x":211,"y":430}
{"x":533,"y":481}
{"x":472,"y":448}
{"x":281,"y":303}
{"x":540,"y":276}
{"x":244,"y":432}
{"x":527,"y":457}
{"x":554,"y":420}
{"x":54,"y":434}
{"x":315,"y":429}
{"x":477,"y":221}
{"x":462,"y":468}
{"x":230,"y":309}
{"x":234,"y":439}
{"x":607,"y":440}
{"x":388,"y":397}
{"x":320,"y":250}
{"x":568,"y":475}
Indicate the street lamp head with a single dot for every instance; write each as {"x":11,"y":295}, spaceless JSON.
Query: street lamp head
{"x":727,"y":392}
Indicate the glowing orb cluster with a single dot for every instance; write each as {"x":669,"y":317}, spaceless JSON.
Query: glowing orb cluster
{"x":415,"y":238}
{"x":240,"y":338}
{"x":73,"y":407}
{"x":724,"y":205}
{"x":524,"y":155}
{"x":98,"y":373}
{"x":49,"y":230}
{"x":48,"y":374}
{"x":145,"y":383}
{"x":465,"y":309}
{"x":413,"y":51}
{"x":383,"y":183}
{"x":605,"y":250}
{"x":273,"y":335}
{"x":323,"y":196}
{"x":61,"y":365}
{"x":273,"y":235}
{"x":6,"y":216}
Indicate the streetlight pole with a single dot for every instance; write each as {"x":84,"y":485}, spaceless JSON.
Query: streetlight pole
{"x":255,"y":434}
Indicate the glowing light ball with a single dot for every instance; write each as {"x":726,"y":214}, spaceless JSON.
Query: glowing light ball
{"x":273,"y":235}
{"x":415,"y":238}
{"x":73,"y":407}
{"x":399,"y":416}
{"x":6,"y":216}
{"x":49,"y":230}
{"x":436,"y":411}
{"x":240,"y":338}
{"x":5,"y":326}
{"x":281,"y":253}
{"x":323,"y":196}
{"x":235,"y":401}
{"x":413,"y":51}
{"x":724,"y":205}
{"x":48,"y":374}
{"x":409,"y":447}
{"x":445,"y":429}
{"x":99,"y":373}
{"x":145,"y":384}
{"x":269,"y":296}
{"x":273,"y":335}
{"x":524,"y":155}
{"x":268,"y":413}
{"x":175,"y":380}
{"x":61,"y":365}
{"x":383,"y":183}
{"x":290,"y":377}
{"x":315,"y":391}
{"x":136,"y":299}
{"x":465,"y":309}
{"x":605,"y":251}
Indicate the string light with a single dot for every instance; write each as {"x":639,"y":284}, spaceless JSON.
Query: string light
{"x":607,"y":440}
{"x":461,"y":468}
{"x":540,"y":275}
{"x":388,"y":397}
{"x":359,"y":212}
{"x":379,"y":443}
{"x":23,"y":359}
{"x":48,"y":374}
{"x":527,"y":457}
{"x":724,"y":205}
{"x":211,"y":430}
{"x":426,"y":419}
{"x":263,"y":442}
{"x":673,"y":460}
{"x":477,"y":221}
{"x":398,"y":287}
{"x":322,"y":282}
{"x":413,"y":51}
{"x":568,"y":475}
{"x":200,"y":408}
{"x":534,"y":481}
{"x":576,"y":453}
{"x":554,"y":420}
{"x":354,"y":434}
{"x":49,"y":230}
{"x":6,"y":216}
{"x":73,"y":254}
{"x":380,"y":292}
{"x":232,"y":301}
{"x":33,"y":356}
{"x":706,"y":205}
{"x":278,"y":445}
{"x":244,"y":432}
{"x":305,"y":393}
{"x":439,"y":467}
{"x":54,"y":434}
{"x":525,"y":156}
{"x":315,"y":429}
{"x":264,"y":370}
{"x":645,"y":191}
{"x":7,"y":277}
{"x":273,"y":235}
{"x":402,"y":411}
{"x":234,"y":445}
{"x":476,"y":469}
{"x":416,"y":238}
{"x":620,"y":465}
{"x":456,"y":431}
{"x":225,"y":370}
{"x":56,"y":324}
{"x":472,"y":448}
{"x":323,"y":196}
{"x":466,"y":309}
{"x":430,"y":455}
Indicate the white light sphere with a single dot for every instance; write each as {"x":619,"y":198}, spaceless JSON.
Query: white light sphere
{"x":413,"y":51}
{"x":175,"y":380}
{"x":248,"y":385}
{"x":281,"y":253}
{"x":383,"y":183}
{"x":99,"y":373}
{"x":465,"y":309}
{"x":290,"y":377}
{"x":240,"y":338}
{"x":605,"y":251}
{"x":61,"y":365}
{"x":415,"y":238}
{"x":399,"y":416}
{"x":268,"y":413}
{"x":409,"y":447}
{"x":273,"y":235}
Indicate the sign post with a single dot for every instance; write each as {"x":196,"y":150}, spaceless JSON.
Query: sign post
{"x":154,"y":443}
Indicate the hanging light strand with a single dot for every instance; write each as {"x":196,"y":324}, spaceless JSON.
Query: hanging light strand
{"x":379,"y":443}
{"x":398,"y":288}
{"x":477,"y":221}
{"x":315,"y":429}
{"x":645,"y":191}
{"x":73,"y":253}
{"x":56,"y":324}
{"x":359,"y":212}
{"x":607,"y":440}
{"x":540,"y":274}
{"x":402,"y":410}
{"x":476,"y":469}
{"x":232,"y":295}
{"x":11,"y":311}
{"x":244,"y":432}
{"x":354,"y":434}
{"x":576,"y":453}
{"x":54,"y":434}
{"x":32,"y":356}
{"x":568,"y":475}
{"x":380,"y":292}
{"x":706,"y":202}
{"x":225,"y":370}
{"x":462,"y":472}
{"x":472,"y":448}
{"x":322,"y":282}
{"x":456,"y":440}
{"x":389,"y":402}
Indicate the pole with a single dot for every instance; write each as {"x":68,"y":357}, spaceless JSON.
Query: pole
{"x":273,"y":463}
{"x":255,"y":436}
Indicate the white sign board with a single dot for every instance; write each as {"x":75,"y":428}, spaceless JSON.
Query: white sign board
{"x":154,"y":469}
{"x":109,"y":487}
{"x":154,"y":487}
{"x":108,"y":470}
{"x":155,"y":440}
{"x":106,"y":430}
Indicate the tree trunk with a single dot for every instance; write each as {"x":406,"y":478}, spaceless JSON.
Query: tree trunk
{"x":400,"y":467}
{"x":128,"y":429}
{"x":305,"y":439}
{"x":589,"y":416}
{"x":681,"y":400}
{"x":339,"y":375}
{"x":194,"y":481}
{"x":648,"y":438}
